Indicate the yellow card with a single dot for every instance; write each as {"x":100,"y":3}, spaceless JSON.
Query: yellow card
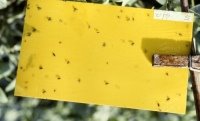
{"x":101,"y":54}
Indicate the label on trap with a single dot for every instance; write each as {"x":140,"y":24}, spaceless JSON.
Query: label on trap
{"x":173,"y":16}
{"x":101,"y":54}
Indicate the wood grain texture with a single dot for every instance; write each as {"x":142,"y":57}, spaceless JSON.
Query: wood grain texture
{"x":177,"y":61}
{"x":170,"y":60}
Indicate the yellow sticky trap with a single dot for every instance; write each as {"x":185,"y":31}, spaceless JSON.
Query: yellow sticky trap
{"x":101,"y":54}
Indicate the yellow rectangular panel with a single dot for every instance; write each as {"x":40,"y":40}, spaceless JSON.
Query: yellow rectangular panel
{"x":101,"y":54}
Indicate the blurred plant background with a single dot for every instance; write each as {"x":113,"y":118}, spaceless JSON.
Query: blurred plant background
{"x":27,"y":109}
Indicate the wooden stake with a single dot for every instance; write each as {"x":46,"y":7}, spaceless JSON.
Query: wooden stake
{"x":195,"y":76}
{"x":192,"y":62}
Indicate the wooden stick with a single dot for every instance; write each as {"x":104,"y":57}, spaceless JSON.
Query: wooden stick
{"x":192,"y":62}
{"x":195,"y":76}
{"x":184,"y":5}
{"x":170,"y":60}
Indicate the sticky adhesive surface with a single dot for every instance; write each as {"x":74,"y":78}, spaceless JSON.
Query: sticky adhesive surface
{"x":101,"y":54}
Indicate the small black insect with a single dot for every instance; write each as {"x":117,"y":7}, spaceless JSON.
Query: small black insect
{"x":118,"y":17}
{"x":34,"y":29}
{"x":44,"y":91}
{"x":131,"y":42}
{"x":38,"y":7}
{"x":168,"y":98}
{"x":28,"y":6}
{"x":53,"y":54}
{"x":28,"y":34}
{"x":104,"y":44}
{"x":40,"y":67}
{"x":67,"y":61}
{"x":88,"y":25}
{"x":96,"y":30}
{"x":58,"y":77}
{"x":106,"y":83}
{"x":79,"y":80}
{"x":21,"y":67}
{"x":49,"y":18}
{"x":158,"y":104}
{"x":74,"y":8}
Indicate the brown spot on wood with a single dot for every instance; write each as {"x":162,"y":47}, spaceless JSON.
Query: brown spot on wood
{"x":170,"y":60}
{"x":40,"y":67}
{"x":106,"y":82}
{"x":74,"y":8}
{"x":168,"y":98}
{"x":58,"y":77}
{"x":44,"y":91}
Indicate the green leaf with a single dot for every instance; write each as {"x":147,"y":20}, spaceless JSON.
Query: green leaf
{"x":3,"y":97}
{"x":3,"y":4}
{"x":11,"y":86}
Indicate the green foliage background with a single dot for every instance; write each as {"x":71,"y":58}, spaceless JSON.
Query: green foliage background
{"x":27,"y":109}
